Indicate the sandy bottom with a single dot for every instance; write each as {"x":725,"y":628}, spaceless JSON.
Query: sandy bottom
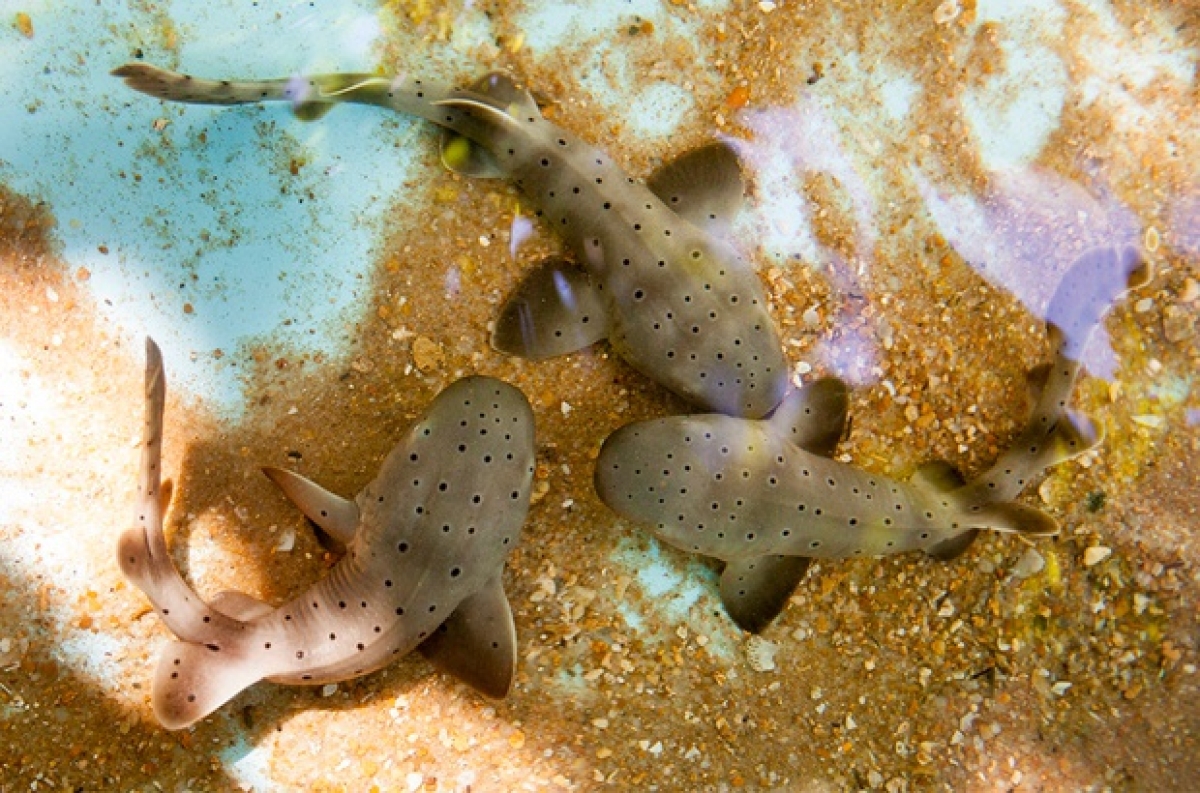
{"x":1055,"y":664}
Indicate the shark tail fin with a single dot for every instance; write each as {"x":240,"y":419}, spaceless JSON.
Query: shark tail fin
{"x":1010,"y":516}
{"x":193,"y":680}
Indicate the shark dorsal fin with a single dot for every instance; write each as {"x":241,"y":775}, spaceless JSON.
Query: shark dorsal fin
{"x":478,"y":642}
{"x":814,"y":417}
{"x":754,"y":591}
{"x":333,"y":514}
{"x":557,"y":309}
{"x":462,"y":155}
{"x":703,"y":186}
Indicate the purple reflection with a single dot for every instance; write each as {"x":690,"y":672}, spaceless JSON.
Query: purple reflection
{"x":1026,"y":229}
{"x":522,"y":230}
{"x":790,"y":144}
{"x":1184,"y":224}
{"x":1193,"y":416}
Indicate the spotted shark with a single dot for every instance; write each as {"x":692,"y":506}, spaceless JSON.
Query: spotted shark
{"x":652,"y":270}
{"x":425,"y":547}
{"x":765,"y":497}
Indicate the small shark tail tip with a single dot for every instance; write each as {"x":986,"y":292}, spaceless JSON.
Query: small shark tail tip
{"x":193,"y":680}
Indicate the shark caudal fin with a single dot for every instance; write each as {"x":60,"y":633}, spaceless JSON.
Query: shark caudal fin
{"x":193,"y":680}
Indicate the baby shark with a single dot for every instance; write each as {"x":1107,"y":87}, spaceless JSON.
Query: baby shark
{"x":652,"y":274}
{"x":425,"y":548}
{"x":764,"y":497}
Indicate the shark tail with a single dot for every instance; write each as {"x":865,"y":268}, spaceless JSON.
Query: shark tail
{"x":193,"y":680}
{"x":312,"y":96}
{"x":142,"y":550}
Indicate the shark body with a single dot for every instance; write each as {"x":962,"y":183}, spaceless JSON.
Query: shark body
{"x":652,"y":271}
{"x":761,"y":496}
{"x":425,"y":549}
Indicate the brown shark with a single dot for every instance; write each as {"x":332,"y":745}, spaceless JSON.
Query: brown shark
{"x":765,"y":498}
{"x":655,"y":274}
{"x":425,"y":549}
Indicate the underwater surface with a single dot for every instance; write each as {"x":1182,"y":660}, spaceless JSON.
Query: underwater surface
{"x":919,"y":179}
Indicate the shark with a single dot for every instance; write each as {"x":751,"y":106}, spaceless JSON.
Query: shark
{"x":425,"y":545}
{"x":651,"y":267}
{"x":764,"y":497}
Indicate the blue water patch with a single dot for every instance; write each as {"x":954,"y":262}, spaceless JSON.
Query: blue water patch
{"x":208,"y":228}
{"x":250,"y":765}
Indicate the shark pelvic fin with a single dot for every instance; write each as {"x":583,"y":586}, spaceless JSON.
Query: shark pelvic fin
{"x":557,"y":309}
{"x":755,"y":591}
{"x":193,"y":680}
{"x":478,"y":642}
{"x":814,"y":417}
{"x":335,"y":515}
{"x":703,"y":186}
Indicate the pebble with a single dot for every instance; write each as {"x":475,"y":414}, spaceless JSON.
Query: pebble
{"x":427,"y":354}
{"x":1179,"y":323}
{"x":1030,"y":564}
{"x":1191,"y":291}
{"x":1095,"y":555}
{"x":760,"y":654}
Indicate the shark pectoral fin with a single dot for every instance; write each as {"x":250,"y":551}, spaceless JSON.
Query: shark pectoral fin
{"x":949,"y":549}
{"x":462,"y":156}
{"x":938,"y":476}
{"x":557,"y":309}
{"x":240,"y":606}
{"x":814,"y":417}
{"x":193,"y":680}
{"x":334,"y":514}
{"x":703,"y":186}
{"x":754,"y":591}
{"x":478,"y":642}
{"x":1010,"y":516}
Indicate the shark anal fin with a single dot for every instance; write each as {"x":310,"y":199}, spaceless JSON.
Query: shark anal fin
{"x":193,"y":680}
{"x":953,"y":547}
{"x":240,"y":606}
{"x":556,"y":310}
{"x":755,"y":591}
{"x":332,"y":513}
{"x":478,"y":642}
{"x":703,"y":186}
{"x":814,"y":417}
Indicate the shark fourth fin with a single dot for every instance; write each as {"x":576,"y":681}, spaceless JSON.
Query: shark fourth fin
{"x":755,"y":591}
{"x":938,"y":476}
{"x":814,"y":417}
{"x":463,"y":156}
{"x":703,"y":186}
{"x":1074,"y":434}
{"x":478,"y":642}
{"x":193,"y":680}
{"x":333,"y":514}
{"x":240,"y":606}
{"x":1010,"y":516}
{"x":556,"y":310}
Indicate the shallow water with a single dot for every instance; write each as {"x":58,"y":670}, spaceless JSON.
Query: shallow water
{"x":920,"y":179}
